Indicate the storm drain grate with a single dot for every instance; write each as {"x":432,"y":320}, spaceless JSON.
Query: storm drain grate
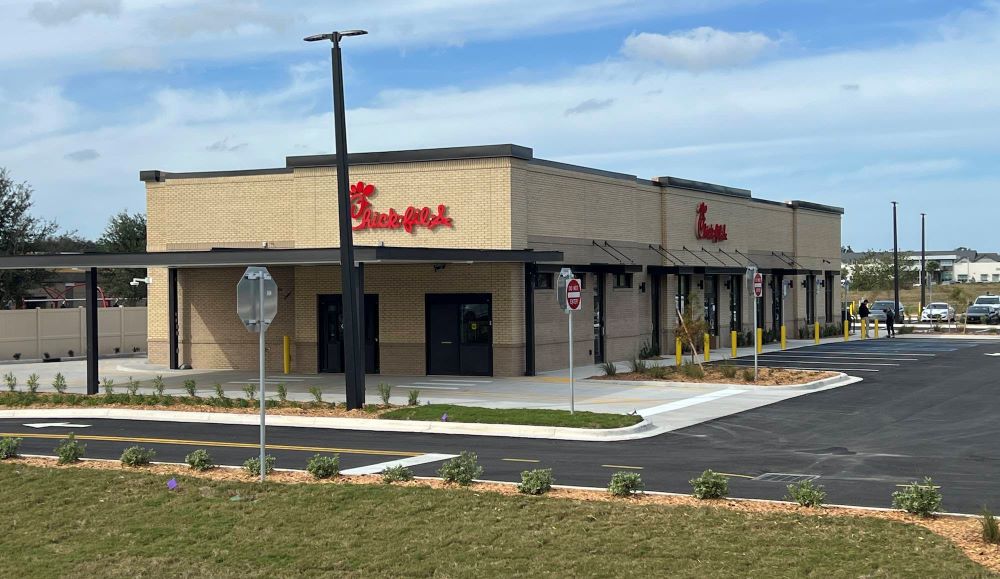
{"x":783,"y":477}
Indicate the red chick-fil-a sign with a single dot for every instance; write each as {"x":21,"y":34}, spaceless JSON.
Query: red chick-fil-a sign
{"x":368,"y":218}
{"x":715,"y":232}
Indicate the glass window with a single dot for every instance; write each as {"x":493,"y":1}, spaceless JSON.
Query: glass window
{"x":984,"y":277}
{"x":475,"y":323}
{"x":544,"y":280}
{"x":623,"y":280}
{"x":996,"y":277}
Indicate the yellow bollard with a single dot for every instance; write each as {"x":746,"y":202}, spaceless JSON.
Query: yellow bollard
{"x":816,"y":332}
{"x":760,"y":340}
{"x":708,"y":347}
{"x":288,"y":355}
{"x":864,"y":328}
{"x":847,"y":328}
{"x":677,"y":351}
{"x":733,"y":340}
{"x":783,"y":336}
{"x":876,"y":328}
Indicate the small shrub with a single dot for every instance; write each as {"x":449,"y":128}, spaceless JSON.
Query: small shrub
{"x":625,"y":484}
{"x":638,"y":366}
{"x":397,"y":474}
{"x":609,"y":369}
{"x":133,"y":386}
{"x":692,"y":370}
{"x":317,"y":394}
{"x":728,"y":370}
{"x":384,"y":392}
{"x":11,"y":381}
{"x":535,"y":482}
{"x":69,"y":450}
{"x":413,"y":398}
{"x":137,"y":456}
{"x":918,"y":498}
{"x":32,"y":383}
{"x":59,"y":383}
{"x":991,"y":530}
{"x":462,"y":469}
{"x":9,"y":447}
{"x":252,"y":465}
{"x":658,"y":372}
{"x":191,"y":387}
{"x":710,"y":485}
{"x":250,"y":391}
{"x":158,"y":385}
{"x":324,"y":466}
{"x":220,"y":393}
{"x":806,"y":494}
{"x":646,"y":351}
{"x":199,"y":460}
{"x":747,"y":375}
{"x":109,"y":386}
{"x":282,"y":391}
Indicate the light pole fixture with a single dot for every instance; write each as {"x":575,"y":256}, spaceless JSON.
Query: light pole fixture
{"x":895,"y":262}
{"x":923,"y":261}
{"x":354,"y":353}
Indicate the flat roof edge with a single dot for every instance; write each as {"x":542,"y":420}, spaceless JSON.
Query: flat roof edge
{"x":677,"y":182}
{"x":817,"y":207}
{"x":414,"y":155}
{"x":158,"y":176}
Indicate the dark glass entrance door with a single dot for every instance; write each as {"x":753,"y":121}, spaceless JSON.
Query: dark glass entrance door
{"x":598,"y":318}
{"x":330,"y":324}
{"x":459,"y":334}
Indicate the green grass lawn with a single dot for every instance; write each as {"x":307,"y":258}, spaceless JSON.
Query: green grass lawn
{"x":89,"y":523}
{"x":525,"y":416}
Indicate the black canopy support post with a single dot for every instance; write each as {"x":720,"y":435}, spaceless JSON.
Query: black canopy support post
{"x":530,"y":271}
{"x":92,"y":327}
{"x":360,"y":368}
{"x":172,"y":319}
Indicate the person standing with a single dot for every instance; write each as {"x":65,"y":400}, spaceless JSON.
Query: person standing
{"x":890,"y":319}
{"x":863,"y":313}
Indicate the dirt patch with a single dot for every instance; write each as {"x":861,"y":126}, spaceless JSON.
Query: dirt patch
{"x":713,"y":375}
{"x":964,"y":532}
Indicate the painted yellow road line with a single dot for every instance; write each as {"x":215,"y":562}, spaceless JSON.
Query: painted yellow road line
{"x":621,"y":466}
{"x":520,"y":460}
{"x":736,"y":475}
{"x":211,"y":443}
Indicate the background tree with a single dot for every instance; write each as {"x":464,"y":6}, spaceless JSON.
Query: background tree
{"x":20,"y":233}
{"x":692,"y":325}
{"x":933,"y":271}
{"x":125,"y":233}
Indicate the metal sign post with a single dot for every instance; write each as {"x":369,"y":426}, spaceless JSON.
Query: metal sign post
{"x":257,"y":304}
{"x":570,"y":300}
{"x":758,"y":291}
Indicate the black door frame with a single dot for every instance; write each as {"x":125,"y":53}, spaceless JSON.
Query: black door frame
{"x":600,"y":301}
{"x":458,"y":299}
{"x":654,"y":288}
{"x":321,"y":337}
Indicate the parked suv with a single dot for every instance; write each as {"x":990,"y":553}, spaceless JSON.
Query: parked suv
{"x":989,"y":300}
{"x":938,"y":311}
{"x":983,"y":314}
{"x":877,"y":313}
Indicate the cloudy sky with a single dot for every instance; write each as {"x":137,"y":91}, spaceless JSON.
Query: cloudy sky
{"x":852,"y":103}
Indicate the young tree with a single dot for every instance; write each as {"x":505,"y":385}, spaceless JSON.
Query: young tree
{"x":125,"y":233}
{"x":692,"y":325}
{"x":20,"y":233}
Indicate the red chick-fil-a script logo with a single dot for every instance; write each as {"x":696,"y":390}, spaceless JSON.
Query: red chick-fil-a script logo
{"x":715,"y":232}
{"x":368,"y":218}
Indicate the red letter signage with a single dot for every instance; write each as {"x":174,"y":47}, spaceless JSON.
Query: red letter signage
{"x":715,"y":233}
{"x":368,"y":218}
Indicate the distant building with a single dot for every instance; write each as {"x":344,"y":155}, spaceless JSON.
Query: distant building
{"x":947,"y":263}
{"x":984,"y":267}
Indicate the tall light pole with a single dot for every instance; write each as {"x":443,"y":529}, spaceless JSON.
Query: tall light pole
{"x":923,"y":261}
{"x":354,"y":357}
{"x":895,"y":263}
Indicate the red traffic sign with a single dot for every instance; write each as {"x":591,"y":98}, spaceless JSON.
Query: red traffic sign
{"x":574,"y":300}
{"x":758,"y":285}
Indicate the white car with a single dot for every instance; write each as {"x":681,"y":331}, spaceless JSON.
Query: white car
{"x":938,"y":311}
{"x":993,"y":301}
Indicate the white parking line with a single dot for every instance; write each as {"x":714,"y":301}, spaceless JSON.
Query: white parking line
{"x":427,"y":386}
{"x":749,"y":363}
{"x":463,"y":381}
{"x":886,"y":352}
{"x":703,"y":398}
{"x":819,"y":361}
{"x":411,"y":461}
{"x":822,"y":357}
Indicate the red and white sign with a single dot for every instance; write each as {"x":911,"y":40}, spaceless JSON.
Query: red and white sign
{"x":411,"y":217}
{"x":715,"y":233}
{"x":758,"y":285}
{"x":573,"y":300}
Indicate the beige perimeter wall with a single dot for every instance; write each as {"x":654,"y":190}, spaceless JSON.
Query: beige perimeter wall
{"x":32,"y":333}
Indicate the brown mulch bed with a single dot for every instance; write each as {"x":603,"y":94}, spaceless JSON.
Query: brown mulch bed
{"x":765,"y":377}
{"x":325,"y":411}
{"x":964,"y":532}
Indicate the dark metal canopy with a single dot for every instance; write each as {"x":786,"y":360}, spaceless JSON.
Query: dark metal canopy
{"x":276,"y":257}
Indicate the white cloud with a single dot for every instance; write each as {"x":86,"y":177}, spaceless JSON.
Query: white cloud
{"x":56,"y":12}
{"x":83,"y":155}
{"x":699,"y":49}
{"x":589,"y":106}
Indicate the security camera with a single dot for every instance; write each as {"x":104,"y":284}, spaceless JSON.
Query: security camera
{"x":137,"y":280}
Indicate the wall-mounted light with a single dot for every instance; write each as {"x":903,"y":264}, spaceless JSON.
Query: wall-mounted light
{"x":701,"y":284}
{"x":439,"y":266}
{"x":642,"y":287}
{"x":805,"y":283}
{"x":821,"y":282}
{"x":728,"y":284}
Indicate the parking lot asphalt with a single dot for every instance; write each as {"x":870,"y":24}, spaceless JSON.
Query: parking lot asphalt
{"x":933,"y":414}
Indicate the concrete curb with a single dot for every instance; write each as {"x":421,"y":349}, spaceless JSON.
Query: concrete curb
{"x":840,"y":379}
{"x":643,"y":429}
